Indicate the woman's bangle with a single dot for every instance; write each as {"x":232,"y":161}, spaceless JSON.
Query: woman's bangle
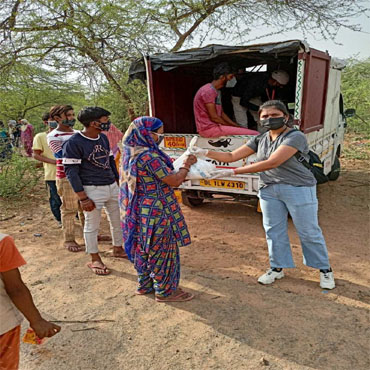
{"x":185,"y":168}
{"x":84,"y":200}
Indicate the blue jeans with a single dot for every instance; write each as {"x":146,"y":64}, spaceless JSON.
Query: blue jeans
{"x":301,"y":203}
{"x":54,"y":199}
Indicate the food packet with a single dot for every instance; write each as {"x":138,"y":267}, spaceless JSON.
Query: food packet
{"x":200,"y":170}
{"x":31,"y":338}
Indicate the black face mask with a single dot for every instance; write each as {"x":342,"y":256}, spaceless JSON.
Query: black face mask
{"x":160,"y":139}
{"x":53,"y":124}
{"x":69,"y":122}
{"x":273,"y":123}
{"x":104,"y":126}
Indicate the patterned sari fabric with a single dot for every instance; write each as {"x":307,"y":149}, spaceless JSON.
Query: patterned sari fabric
{"x":152,"y":222}
{"x":27,"y":138}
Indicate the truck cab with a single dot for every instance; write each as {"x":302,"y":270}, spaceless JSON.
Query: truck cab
{"x":312,"y":95}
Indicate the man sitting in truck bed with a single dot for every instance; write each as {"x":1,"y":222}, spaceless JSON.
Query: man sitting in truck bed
{"x":252,"y":90}
{"x":210,"y":118}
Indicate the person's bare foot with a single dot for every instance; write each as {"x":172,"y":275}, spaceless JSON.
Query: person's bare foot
{"x":73,"y":247}
{"x":119,"y":252}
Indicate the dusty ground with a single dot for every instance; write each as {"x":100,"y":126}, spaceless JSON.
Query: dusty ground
{"x":233,"y":323}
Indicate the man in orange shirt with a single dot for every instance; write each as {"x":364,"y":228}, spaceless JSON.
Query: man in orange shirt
{"x":15,"y":297}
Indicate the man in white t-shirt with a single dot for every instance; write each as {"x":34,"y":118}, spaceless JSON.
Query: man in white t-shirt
{"x":64,"y":116}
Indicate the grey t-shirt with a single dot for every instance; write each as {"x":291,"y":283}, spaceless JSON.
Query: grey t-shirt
{"x":290,"y":172}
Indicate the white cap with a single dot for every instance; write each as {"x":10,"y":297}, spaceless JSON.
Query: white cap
{"x":280,"y":76}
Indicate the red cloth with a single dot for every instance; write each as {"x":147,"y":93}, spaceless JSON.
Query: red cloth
{"x":114,"y":136}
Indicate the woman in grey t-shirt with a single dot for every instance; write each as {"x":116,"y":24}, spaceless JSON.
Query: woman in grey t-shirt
{"x":286,"y":186}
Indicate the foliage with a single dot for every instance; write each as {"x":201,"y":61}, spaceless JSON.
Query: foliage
{"x":357,"y":146}
{"x":28,"y":91}
{"x":18,"y":176}
{"x":98,"y":39}
{"x":355,"y":90}
{"x":111,"y":100}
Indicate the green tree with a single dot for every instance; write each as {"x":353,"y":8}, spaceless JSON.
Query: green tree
{"x":27,"y":91}
{"x":110,"y":99}
{"x":355,"y":90}
{"x":99,"y":38}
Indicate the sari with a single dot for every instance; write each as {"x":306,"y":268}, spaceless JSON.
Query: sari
{"x":27,"y":137}
{"x":152,"y":222}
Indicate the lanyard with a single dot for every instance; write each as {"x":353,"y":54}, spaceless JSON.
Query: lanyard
{"x":272,"y":96}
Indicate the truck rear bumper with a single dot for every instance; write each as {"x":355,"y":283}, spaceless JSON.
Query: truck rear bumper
{"x":241,"y":185}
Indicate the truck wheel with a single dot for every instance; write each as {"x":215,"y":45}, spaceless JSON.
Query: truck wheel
{"x":190,"y":201}
{"x":335,"y":170}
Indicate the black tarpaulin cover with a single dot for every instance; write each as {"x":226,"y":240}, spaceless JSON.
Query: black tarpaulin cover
{"x":168,"y":61}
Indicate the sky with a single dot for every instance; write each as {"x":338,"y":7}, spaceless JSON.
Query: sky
{"x":346,"y":44}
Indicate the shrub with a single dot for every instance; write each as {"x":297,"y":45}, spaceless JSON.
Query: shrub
{"x":18,"y":175}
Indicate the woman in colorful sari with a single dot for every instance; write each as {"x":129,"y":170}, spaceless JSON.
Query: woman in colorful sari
{"x":27,"y":137}
{"x":152,"y":222}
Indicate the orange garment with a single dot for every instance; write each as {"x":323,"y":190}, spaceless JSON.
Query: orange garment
{"x":10,"y":258}
{"x":10,"y":317}
{"x":118,"y":160}
{"x":9,"y":349}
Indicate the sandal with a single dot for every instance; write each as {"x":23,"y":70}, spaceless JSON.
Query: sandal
{"x":104,"y":238}
{"x":178,"y":296}
{"x":73,"y":247}
{"x":98,"y":268}
{"x":120,"y":254}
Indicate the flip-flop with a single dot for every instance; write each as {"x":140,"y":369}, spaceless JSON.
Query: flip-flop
{"x":125,"y":257}
{"x":102,"y":268}
{"x":74,"y":248}
{"x":181,"y":297}
{"x":111,"y":255}
{"x":104,"y":238}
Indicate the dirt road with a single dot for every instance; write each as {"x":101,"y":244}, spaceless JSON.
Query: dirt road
{"x":233,"y":323}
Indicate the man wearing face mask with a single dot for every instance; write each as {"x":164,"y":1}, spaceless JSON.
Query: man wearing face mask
{"x":251,"y":90}
{"x":210,"y":119}
{"x":92,"y":172}
{"x":42,"y":153}
{"x":64,"y":117}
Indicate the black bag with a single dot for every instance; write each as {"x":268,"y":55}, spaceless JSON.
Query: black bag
{"x":314,"y":165}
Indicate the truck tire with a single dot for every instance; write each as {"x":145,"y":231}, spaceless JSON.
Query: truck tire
{"x":190,"y":201}
{"x":335,"y":170}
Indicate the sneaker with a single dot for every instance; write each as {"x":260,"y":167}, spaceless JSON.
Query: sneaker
{"x":270,"y":276}
{"x":60,"y":225}
{"x":327,"y":280}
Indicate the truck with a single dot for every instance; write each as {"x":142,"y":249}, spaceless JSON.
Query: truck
{"x":314,"y":101}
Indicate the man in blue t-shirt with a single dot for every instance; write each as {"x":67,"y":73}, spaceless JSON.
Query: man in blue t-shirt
{"x":92,"y":172}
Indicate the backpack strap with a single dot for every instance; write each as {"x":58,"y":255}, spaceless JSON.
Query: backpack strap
{"x":298,"y":154}
{"x":302,"y":159}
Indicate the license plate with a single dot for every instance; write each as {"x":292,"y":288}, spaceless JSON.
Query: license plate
{"x":223,"y":184}
{"x":175,"y":142}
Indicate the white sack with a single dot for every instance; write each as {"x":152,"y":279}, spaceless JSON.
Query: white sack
{"x":199,"y":170}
